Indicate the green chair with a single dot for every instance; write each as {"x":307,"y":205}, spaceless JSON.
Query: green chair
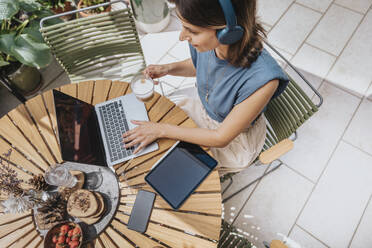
{"x":230,"y":237}
{"x":285,"y":114}
{"x":102,"y":46}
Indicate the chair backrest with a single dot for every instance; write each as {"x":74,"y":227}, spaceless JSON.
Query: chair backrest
{"x":103,"y":46}
{"x":231,"y":238}
{"x":287,"y":112}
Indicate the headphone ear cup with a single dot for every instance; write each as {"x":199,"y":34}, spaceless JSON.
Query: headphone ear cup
{"x":229,"y":35}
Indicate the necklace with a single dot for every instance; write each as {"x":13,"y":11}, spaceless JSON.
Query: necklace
{"x":215,"y":82}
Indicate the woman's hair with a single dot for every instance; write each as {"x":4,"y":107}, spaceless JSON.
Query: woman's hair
{"x":209,"y":13}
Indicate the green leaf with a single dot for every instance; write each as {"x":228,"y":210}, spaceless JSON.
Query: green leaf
{"x":30,"y":52}
{"x":6,"y":43}
{"x":44,"y":13}
{"x":8,"y":8}
{"x":34,"y":34}
{"x":29,"y":5}
{"x":3,"y":63}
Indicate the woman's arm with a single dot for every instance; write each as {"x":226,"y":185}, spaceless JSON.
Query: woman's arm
{"x":241,"y":116}
{"x":183,"y":68}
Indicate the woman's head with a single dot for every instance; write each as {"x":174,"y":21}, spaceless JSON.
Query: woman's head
{"x":201,"y":19}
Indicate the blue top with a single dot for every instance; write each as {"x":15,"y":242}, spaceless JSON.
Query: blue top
{"x":228,"y":85}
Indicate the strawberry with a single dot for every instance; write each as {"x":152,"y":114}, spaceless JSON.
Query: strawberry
{"x":61,"y":239}
{"x":54,"y":239}
{"x":76,"y":231}
{"x":74,"y":244}
{"x":70,"y":233}
{"x":64,"y":229}
{"x":75,"y":237}
{"x":68,"y":239}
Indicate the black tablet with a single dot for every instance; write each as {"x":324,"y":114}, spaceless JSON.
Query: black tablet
{"x":179,"y":172}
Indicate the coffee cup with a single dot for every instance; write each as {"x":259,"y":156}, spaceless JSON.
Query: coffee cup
{"x":143,"y":87}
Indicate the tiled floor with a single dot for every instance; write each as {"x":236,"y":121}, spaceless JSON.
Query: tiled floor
{"x":321,"y":197}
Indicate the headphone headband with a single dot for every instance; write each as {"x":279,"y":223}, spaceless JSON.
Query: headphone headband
{"x":232,"y":32}
{"x":229,"y":12}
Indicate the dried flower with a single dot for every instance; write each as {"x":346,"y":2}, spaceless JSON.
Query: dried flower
{"x":9,"y":182}
{"x":15,"y":205}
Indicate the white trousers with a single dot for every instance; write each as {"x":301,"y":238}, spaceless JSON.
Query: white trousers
{"x":241,"y":151}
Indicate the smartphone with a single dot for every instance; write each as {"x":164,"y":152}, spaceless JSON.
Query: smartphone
{"x":141,"y":211}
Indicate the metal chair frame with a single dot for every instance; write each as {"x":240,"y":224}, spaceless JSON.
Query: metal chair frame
{"x":292,"y":137}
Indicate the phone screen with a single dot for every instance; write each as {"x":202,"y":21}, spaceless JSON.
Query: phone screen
{"x":141,"y":211}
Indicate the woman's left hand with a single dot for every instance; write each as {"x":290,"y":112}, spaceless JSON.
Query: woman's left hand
{"x":144,"y":134}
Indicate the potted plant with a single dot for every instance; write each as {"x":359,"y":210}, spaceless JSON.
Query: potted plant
{"x":151,"y":15}
{"x":22,"y":48}
{"x":58,"y":6}
{"x":88,"y":3}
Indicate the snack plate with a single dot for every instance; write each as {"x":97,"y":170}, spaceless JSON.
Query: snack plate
{"x":109,"y":189}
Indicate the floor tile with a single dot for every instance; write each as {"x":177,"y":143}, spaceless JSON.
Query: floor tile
{"x":313,"y":79}
{"x":359,"y":132}
{"x":278,"y":58}
{"x":181,"y":51}
{"x":156,"y":45}
{"x":51,"y":72}
{"x":363,"y":237}
{"x":352,"y":70}
{"x":357,"y":5}
{"x":188,"y":82}
{"x":314,"y":61}
{"x":171,"y":83}
{"x":369,"y":93}
{"x":327,"y":35}
{"x":304,"y":239}
{"x":274,"y":205}
{"x":318,"y":137}
{"x":267,"y":27}
{"x":270,"y":11}
{"x":293,"y":28}
{"x":319,"y":5}
{"x":58,"y":82}
{"x":339,"y":198}
{"x":7,"y":101}
{"x":243,"y":178}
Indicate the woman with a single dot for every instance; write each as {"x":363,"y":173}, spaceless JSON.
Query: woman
{"x":234,"y":83}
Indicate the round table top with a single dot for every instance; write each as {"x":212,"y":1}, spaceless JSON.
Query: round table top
{"x":30,"y":131}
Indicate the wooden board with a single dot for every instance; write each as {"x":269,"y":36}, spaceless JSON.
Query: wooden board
{"x":32,"y":131}
{"x":39,"y":113}
{"x":17,"y":139}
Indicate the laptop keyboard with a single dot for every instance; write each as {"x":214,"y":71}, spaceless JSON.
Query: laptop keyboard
{"x":114,"y":125}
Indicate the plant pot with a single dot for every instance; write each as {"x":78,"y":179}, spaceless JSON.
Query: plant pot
{"x":152,"y":16}
{"x":25,"y":78}
{"x":68,"y":7}
{"x":86,"y":14}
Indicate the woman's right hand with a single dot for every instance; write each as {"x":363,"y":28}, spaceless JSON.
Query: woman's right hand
{"x":156,"y":71}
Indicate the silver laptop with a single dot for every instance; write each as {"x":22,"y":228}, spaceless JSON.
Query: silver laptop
{"x":93,"y":134}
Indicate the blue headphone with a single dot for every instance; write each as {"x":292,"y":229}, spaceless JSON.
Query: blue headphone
{"x":233,"y":32}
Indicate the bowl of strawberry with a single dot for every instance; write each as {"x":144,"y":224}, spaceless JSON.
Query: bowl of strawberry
{"x":64,"y":235}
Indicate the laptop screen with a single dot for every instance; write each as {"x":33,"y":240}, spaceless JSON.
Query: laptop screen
{"x":180,"y":172}
{"x":78,"y":130}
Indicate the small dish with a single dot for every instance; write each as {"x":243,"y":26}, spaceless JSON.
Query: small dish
{"x":64,"y":235}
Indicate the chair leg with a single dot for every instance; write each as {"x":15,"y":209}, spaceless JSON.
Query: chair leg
{"x":254,"y":181}
{"x":228,"y":186}
{"x":6,"y":82}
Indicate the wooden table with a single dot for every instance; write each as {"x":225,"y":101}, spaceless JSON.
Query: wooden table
{"x":30,"y":130}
